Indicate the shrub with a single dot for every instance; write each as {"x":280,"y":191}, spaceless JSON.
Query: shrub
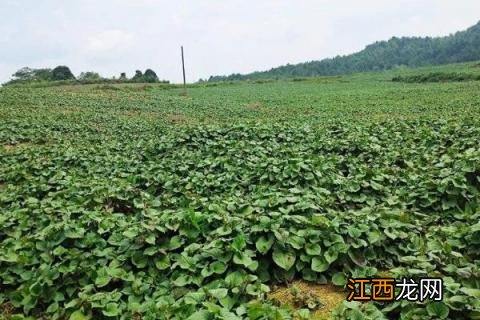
{"x":437,"y":77}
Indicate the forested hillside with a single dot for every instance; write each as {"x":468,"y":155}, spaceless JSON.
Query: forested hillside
{"x":383,"y":55}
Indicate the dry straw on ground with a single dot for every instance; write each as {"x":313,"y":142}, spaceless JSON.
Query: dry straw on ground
{"x":329,"y":295}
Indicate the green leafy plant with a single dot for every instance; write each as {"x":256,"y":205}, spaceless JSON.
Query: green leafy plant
{"x":144,"y":204}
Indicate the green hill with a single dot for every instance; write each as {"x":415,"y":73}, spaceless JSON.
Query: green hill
{"x":462,"y":46}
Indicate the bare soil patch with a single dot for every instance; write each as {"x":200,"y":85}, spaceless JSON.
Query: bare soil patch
{"x":7,"y":309}
{"x":179,"y":119}
{"x":308,"y":112}
{"x":256,"y":106}
{"x":12,"y":147}
{"x":328,"y":295}
{"x":148,"y":114}
{"x":132,"y":113}
{"x":66,"y":111}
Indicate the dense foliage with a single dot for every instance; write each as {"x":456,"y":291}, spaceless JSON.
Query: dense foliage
{"x":29,"y":74}
{"x":89,"y":76}
{"x":437,"y":77}
{"x":62,"y":75}
{"x":149,"y":76}
{"x":383,"y":55}
{"x":137,"y":202}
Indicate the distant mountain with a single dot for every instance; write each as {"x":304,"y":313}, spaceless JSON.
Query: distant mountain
{"x":382,"y":55}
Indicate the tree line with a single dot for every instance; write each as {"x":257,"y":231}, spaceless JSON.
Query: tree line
{"x":383,"y":55}
{"x":64,"y":74}
{"x":437,"y":77}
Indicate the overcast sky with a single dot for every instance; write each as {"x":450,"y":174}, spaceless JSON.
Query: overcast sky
{"x":220,"y":36}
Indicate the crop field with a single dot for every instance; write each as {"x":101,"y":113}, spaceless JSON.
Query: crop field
{"x":248,"y":200}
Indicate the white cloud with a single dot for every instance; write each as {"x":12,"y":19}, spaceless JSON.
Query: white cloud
{"x":109,"y":42}
{"x":6,"y":71}
{"x":220,"y":37}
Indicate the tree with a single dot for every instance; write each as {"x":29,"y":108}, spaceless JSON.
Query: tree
{"x":29,"y":74}
{"x":62,"y":73}
{"x":150,"y":76}
{"x":24,"y":74}
{"x":44,"y":74}
{"x":89,"y":76}
{"x":138,"y":77}
{"x":397,"y":52}
{"x":123,"y":76}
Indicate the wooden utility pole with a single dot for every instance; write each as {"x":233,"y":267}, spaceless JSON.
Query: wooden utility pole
{"x":183,"y":68}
